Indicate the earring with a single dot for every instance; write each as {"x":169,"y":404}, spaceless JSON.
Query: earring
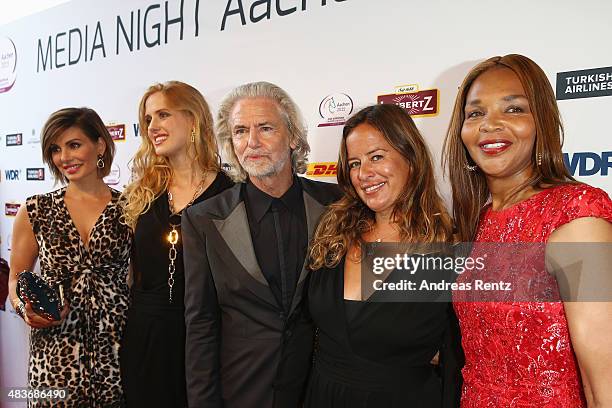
{"x":470,"y":168}
{"x":193,"y":135}
{"x":539,"y":155}
{"x":100,"y":162}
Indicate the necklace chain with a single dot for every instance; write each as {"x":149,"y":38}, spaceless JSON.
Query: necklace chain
{"x":380,"y":239}
{"x":196,"y":193}
{"x":173,"y":235}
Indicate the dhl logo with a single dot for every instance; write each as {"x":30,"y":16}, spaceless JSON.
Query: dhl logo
{"x":322,"y":169}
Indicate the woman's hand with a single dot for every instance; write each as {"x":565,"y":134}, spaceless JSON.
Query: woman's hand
{"x":37,"y":321}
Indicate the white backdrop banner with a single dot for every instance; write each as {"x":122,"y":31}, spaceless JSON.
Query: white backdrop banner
{"x":333,"y":56}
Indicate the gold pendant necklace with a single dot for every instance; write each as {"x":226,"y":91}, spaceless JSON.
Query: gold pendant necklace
{"x":385,"y":236}
{"x":174,"y":236}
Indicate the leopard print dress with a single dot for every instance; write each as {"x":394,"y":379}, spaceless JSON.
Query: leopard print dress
{"x":82,"y":354}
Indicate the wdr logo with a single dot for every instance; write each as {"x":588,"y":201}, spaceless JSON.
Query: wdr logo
{"x":12,"y":175}
{"x":588,"y":163}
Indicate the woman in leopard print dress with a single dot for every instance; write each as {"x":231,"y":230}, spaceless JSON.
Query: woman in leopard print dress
{"x":76,"y":234}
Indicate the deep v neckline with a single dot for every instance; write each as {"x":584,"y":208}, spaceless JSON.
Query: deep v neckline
{"x":342,"y":304}
{"x":82,"y":243}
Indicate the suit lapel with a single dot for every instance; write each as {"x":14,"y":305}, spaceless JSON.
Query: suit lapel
{"x":314,"y":210}
{"x":236,"y":234}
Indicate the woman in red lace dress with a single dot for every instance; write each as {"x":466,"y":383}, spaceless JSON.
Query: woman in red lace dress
{"x":510,"y":186}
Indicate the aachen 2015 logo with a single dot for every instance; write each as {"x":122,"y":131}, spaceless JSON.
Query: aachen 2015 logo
{"x":335,"y":109}
{"x":8,"y":64}
{"x":114,"y":177}
{"x":587,"y":83}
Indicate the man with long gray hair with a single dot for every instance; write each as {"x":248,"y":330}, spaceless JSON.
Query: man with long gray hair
{"x":248,"y":343}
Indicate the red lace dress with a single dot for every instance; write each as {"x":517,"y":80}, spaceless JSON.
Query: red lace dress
{"x":519,"y":354}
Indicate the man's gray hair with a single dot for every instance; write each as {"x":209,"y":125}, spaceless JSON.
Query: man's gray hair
{"x":289,"y":112}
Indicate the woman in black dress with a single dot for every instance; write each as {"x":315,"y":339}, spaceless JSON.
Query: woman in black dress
{"x":367,"y":353}
{"x":176,"y":166}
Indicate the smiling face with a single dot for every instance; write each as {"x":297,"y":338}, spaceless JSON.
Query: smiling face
{"x":260,"y":137}
{"x":499,"y":130}
{"x":378,"y":172}
{"x":75,"y":155}
{"x":169,"y":130}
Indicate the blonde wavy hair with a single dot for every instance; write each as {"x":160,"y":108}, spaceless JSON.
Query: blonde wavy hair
{"x":419,"y":211}
{"x":289,"y":112}
{"x":151,"y":173}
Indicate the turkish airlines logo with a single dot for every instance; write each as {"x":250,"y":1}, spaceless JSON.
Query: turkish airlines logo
{"x":586,"y":83}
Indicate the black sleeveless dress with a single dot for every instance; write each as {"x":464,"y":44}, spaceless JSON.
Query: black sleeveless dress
{"x":372,"y":354}
{"x":153,"y":347}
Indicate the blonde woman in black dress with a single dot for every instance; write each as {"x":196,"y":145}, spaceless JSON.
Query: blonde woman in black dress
{"x":176,"y":166}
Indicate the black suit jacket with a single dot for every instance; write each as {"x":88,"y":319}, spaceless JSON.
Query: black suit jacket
{"x":241,"y":349}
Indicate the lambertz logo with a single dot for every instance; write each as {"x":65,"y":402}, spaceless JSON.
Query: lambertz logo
{"x":322,"y":169}
{"x":8,"y":64}
{"x":588,"y":163}
{"x":117,"y":132}
{"x":15,"y":139}
{"x":587,"y":83}
{"x":335,"y":109}
{"x":35,"y":173}
{"x":114,"y":177}
{"x":416,"y":103}
{"x":12,"y":175}
{"x":10,"y":209}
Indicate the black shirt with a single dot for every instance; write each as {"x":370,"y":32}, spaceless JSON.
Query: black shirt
{"x":280,"y":237}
